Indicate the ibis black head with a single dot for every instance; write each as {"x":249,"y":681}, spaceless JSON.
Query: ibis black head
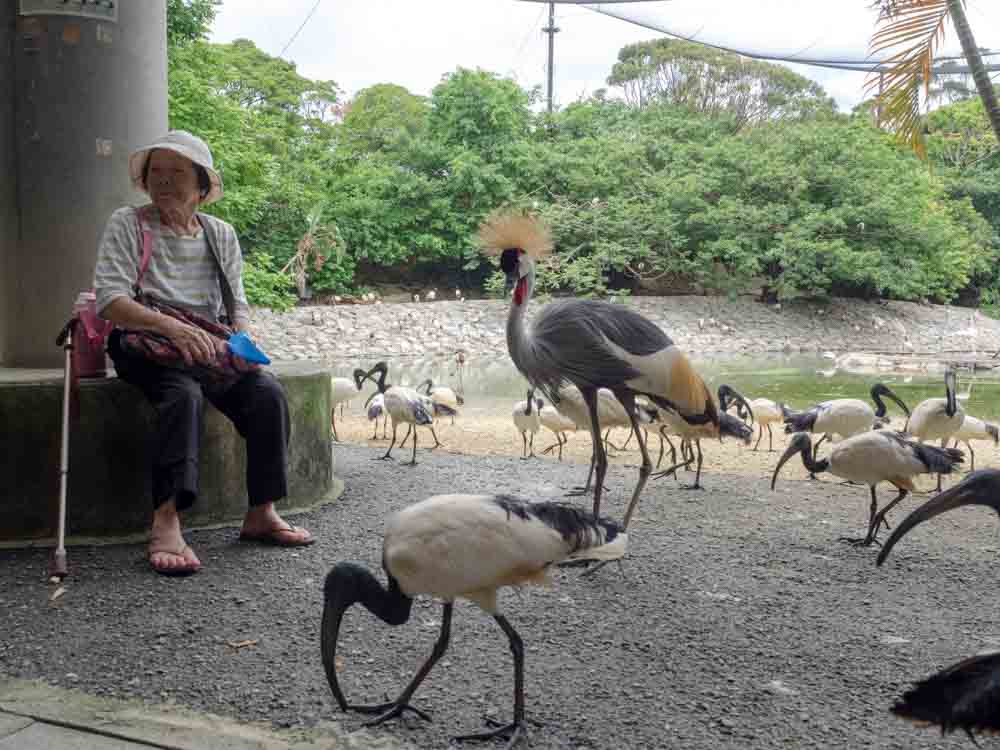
{"x":800,"y":443}
{"x":360,"y":376}
{"x":879,"y":390}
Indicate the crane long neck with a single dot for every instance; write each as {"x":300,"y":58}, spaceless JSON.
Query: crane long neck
{"x":518,"y":343}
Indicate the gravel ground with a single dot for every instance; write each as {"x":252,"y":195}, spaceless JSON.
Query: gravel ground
{"x":737,"y":620}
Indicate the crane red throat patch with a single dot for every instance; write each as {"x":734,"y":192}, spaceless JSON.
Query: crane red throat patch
{"x":520,"y":291}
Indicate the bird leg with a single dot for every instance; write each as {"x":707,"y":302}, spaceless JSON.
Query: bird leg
{"x":759,"y":437}
{"x":333,"y":423}
{"x":770,"y":439}
{"x":628,"y":401}
{"x":531,"y":446}
{"x":562,"y":442}
{"x":816,"y":453}
{"x":524,"y":451}
{"x":412,"y":461}
{"x":697,"y":475}
{"x":880,"y":518}
{"x":513,"y":731}
{"x":874,"y":520}
{"x":600,"y":457}
{"x":375,"y":433}
{"x":396,"y":708}
{"x":387,"y":456}
{"x":437,"y":443}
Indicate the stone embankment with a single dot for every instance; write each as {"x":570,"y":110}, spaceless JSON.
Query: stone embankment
{"x":701,"y":325}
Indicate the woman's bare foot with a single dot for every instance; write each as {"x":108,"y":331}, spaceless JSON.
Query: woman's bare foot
{"x":168,"y":553}
{"x":263,"y":524}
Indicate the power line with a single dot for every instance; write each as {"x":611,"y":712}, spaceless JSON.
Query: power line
{"x":302,"y":26}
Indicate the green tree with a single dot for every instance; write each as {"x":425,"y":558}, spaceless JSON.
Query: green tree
{"x":382,"y":116}
{"x":189,"y":20}
{"x":478,"y":110}
{"x":704,"y":79}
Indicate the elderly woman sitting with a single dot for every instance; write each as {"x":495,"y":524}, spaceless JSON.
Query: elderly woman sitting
{"x":194,"y":258}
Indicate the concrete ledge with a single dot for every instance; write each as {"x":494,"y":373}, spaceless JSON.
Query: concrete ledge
{"x":109,"y":491}
{"x":33,"y":714}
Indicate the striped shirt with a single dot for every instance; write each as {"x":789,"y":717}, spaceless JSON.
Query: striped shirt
{"x":181,"y":270}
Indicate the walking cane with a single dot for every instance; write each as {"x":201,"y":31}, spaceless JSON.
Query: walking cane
{"x":57,"y":564}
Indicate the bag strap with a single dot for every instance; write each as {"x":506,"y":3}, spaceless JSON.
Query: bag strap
{"x":147,"y":248}
{"x":228,"y":298}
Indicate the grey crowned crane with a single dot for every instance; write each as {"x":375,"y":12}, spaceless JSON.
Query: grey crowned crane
{"x":975,"y":429}
{"x":872,"y":457}
{"x":527,"y":418}
{"x":965,"y":695}
{"x":937,"y":418}
{"x":468,"y":547}
{"x":845,"y":417}
{"x":404,"y":405}
{"x":591,"y":344}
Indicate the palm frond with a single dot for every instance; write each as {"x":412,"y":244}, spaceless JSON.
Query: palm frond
{"x":911,"y":30}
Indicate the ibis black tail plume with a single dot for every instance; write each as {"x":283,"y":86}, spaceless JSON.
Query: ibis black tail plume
{"x":801,"y":421}
{"x":347,"y":584}
{"x":963,"y":696}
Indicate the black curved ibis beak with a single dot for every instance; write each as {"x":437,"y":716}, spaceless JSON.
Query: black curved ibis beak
{"x":978,"y":488}
{"x":800,"y":443}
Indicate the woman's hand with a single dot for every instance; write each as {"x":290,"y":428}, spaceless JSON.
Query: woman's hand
{"x":194,"y":344}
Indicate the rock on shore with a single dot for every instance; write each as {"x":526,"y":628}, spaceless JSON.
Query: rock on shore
{"x":701,"y":325}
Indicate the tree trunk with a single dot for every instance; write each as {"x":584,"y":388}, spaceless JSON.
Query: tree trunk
{"x":972,"y":56}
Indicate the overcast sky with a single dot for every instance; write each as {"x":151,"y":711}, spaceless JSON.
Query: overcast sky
{"x":358,"y":43}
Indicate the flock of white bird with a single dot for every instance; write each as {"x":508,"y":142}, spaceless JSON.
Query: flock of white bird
{"x":598,"y":366}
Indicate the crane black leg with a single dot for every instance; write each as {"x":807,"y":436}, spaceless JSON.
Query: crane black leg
{"x":880,"y":518}
{"x":387,"y":456}
{"x":697,"y":475}
{"x":396,"y":708}
{"x":412,"y":461}
{"x":513,"y":731}
{"x":628,"y":401}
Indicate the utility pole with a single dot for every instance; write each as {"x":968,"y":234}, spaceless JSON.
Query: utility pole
{"x":551,"y":30}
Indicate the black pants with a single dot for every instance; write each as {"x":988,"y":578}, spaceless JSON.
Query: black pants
{"x":256,"y":405}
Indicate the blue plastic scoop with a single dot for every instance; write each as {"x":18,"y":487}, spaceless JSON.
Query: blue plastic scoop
{"x":241,"y":345}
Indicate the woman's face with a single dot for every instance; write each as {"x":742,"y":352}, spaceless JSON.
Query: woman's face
{"x":172,"y":182}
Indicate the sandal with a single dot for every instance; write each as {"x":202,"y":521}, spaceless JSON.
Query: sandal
{"x":178,"y":572}
{"x":275,"y":538}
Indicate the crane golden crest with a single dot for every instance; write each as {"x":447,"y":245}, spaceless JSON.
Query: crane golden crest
{"x":510,"y":228}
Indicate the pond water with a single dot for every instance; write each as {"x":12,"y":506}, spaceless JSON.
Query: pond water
{"x":491,"y":383}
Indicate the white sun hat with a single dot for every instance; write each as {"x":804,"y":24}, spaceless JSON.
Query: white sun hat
{"x":187,"y":145}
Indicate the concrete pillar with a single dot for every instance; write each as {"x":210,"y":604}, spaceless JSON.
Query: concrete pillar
{"x":86,"y":91}
{"x":8,"y":202}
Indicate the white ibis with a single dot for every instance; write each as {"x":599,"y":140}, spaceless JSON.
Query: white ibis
{"x":843,"y":417}
{"x":593,"y":345}
{"x":344,"y":389}
{"x":937,"y":418}
{"x":528,"y":420}
{"x":376,"y":411}
{"x":975,"y":429}
{"x":674,"y":424}
{"x":404,"y":405}
{"x":446,"y":401}
{"x":461,"y":546}
{"x":964,"y":695}
{"x":766,"y":412}
{"x":558,"y":424}
{"x":872,"y":457}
